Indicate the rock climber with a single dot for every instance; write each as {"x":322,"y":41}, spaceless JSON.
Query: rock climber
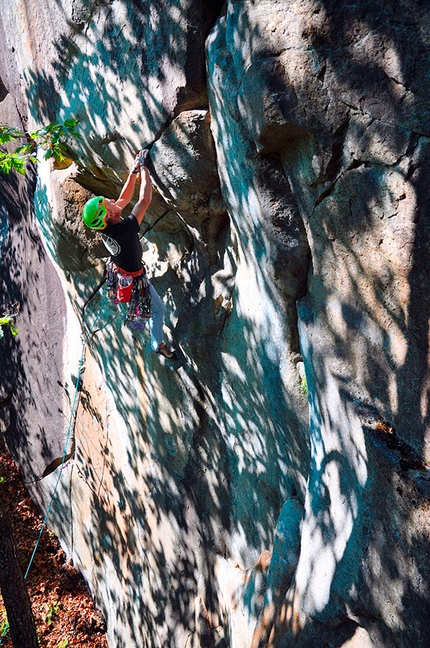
{"x":121,"y":239}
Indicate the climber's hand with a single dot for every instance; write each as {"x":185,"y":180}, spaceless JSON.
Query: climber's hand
{"x":135,"y":167}
{"x":142,"y":157}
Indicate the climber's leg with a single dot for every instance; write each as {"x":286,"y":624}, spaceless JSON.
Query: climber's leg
{"x":157,"y":320}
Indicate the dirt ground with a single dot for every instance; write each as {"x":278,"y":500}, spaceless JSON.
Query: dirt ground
{"x":62,"y":606}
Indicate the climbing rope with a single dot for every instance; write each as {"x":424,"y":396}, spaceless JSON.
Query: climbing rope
{"x":70,"y":427}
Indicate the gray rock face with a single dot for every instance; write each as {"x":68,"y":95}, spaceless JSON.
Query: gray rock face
{"x":186,"y":176}
{"x":31,"y":289}
{"x":270,"y":486}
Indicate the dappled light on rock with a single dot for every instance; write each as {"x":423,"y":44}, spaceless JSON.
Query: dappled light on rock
{"x":267,"y":485}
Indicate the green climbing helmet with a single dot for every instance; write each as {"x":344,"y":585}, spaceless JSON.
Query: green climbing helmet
{"x":94,"y":213}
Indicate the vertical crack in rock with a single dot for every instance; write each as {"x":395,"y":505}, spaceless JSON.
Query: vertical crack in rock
{"x":286,"y":232}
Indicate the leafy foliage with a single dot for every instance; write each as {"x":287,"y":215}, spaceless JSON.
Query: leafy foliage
{"x":52,"y":138}
{"x":304,"y":386}
{"x":4,"y":626}
{"x":7,"y":320}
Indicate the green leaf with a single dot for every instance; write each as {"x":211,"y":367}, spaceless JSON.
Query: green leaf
{"x":52,"y":127}
{"x":7,"y":133}
{"x":9,"y":161}
{"x":8,"y":321}
{"x":25,"y":148}
{"x":18,"y":163}
{"x":5,"y":165}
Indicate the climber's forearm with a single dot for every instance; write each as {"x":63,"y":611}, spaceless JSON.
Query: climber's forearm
{"x":127,"y":191}
{"x":145,"y":196}
{"x":145,"y":192}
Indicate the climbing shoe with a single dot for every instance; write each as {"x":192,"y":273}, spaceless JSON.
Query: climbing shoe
{"x":165,"y":351}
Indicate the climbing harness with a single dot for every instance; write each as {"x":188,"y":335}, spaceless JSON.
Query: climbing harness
{"x":131,"y":288}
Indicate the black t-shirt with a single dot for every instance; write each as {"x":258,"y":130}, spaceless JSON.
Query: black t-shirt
{"x":122,"y":242}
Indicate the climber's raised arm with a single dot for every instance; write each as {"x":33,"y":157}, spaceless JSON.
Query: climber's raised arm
{"x":145,"y":195}
{"x":128,"y":190}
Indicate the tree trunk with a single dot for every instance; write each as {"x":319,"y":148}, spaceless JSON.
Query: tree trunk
{"x":14,"y":591}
